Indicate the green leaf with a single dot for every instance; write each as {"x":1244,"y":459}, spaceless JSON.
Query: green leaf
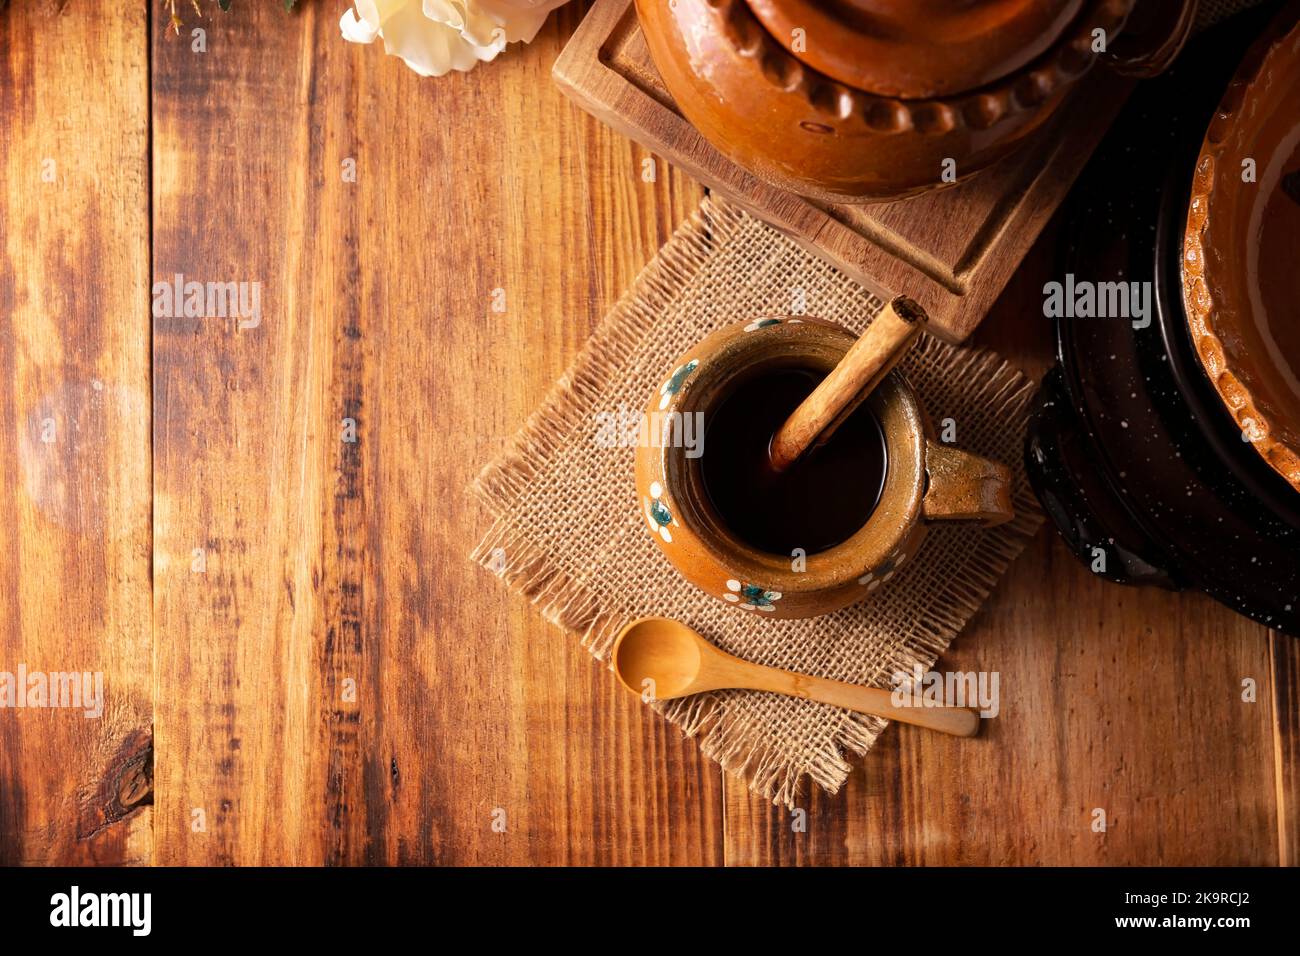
{"x":224,"y":4}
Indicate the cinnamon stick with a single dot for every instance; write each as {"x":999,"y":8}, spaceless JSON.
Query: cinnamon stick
{"x":863,"y":367}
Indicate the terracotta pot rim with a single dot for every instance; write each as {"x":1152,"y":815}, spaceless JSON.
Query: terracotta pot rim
{"x":1023,"y":91}
{"x":1199,"y":305}
{"x":917,"y":49}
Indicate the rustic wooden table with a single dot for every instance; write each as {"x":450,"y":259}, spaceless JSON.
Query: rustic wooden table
{"x":300,"y":664}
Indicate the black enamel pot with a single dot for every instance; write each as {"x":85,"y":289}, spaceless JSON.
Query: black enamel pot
{"x":1144,"y":473}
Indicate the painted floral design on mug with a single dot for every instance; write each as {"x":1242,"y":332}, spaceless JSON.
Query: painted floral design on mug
{"x":657,"y":514}
{"x":751,"y":597}
{"x":676,"y":381}
{"x":873,"y":579}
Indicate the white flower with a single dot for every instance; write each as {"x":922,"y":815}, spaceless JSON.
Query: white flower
{"x":435,"y":36}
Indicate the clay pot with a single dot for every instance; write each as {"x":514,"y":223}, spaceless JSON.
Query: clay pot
{"x":1241,"y":282}
{"x":925,"y":481}
{"x":863,"y":100}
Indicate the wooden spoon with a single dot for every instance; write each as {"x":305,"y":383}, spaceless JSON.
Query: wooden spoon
{"x":665,"y":659}
{"x":863,"y":367}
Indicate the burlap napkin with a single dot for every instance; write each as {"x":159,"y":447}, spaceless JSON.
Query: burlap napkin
{"x":569,"y":535}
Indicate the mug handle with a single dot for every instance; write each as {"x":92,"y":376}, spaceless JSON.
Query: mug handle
{"x":965,"y":487}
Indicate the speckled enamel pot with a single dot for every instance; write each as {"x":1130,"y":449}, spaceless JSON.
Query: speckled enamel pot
{"x":924,"y":480}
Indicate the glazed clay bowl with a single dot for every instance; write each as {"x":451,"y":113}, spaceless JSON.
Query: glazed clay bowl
{"x":1240,"y":266}
{"x":925,"y":481}
{"x":866,"y":100}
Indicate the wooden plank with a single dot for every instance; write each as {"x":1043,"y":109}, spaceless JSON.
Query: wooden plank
{"x":1285,"y":657}
{"x":952,"y":250}
{"x":74,"y":455}
{"x":329,"y":561}
{"x":1128,"y":700}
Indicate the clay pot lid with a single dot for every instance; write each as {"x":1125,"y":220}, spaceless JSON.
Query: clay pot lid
{"x":1241,"y":280}
{"x":914,"y":49}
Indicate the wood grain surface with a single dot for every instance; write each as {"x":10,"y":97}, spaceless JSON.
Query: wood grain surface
{"x":1179,"y":764}
{"x":74,"y":450}
{"x":335,"y":564}
{"x":300,"y":645}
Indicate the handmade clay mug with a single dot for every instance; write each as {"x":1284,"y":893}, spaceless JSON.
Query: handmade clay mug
{"x":924,"y":481}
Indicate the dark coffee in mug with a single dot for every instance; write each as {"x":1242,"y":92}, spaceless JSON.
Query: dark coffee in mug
{"x":819,"y":501}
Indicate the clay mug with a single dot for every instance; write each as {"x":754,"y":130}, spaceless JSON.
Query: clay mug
{"x":925,"y":481}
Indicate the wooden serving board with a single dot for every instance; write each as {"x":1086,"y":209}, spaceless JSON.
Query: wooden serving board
{"x":952,"y":250}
